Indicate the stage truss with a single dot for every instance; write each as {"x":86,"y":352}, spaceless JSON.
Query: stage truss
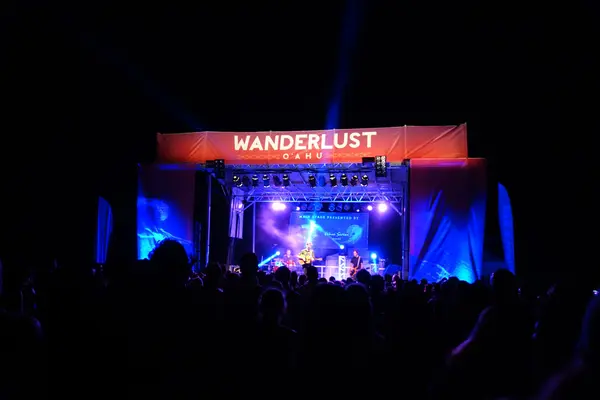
{"x":390,"y":189}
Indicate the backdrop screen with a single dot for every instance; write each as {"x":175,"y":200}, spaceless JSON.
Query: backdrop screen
{"x":327,"y":230}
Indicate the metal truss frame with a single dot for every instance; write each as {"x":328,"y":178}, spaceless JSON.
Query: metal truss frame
{"x":324,"y":197}
{"x":281,"y":168}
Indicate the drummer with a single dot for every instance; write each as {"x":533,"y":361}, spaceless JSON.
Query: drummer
{"x":288,"y":259}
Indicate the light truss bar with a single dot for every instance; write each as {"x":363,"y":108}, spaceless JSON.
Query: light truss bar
{"x":337,"y":167}
{"x":300,"y":197}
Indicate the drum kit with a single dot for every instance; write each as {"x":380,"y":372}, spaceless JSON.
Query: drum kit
{"x":277,"y":263}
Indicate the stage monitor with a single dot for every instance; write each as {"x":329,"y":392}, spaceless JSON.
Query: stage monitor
{"x":330,"y":230}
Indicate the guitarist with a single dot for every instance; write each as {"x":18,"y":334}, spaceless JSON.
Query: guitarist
{"x":356,"y":263}
{"x":307,"y":256}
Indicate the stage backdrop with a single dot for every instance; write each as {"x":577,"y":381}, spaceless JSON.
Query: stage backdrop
{"x":447,"y":218}
{"x":329,"y":230}
{"x":316,"y":147}
{"x":165,"y":207}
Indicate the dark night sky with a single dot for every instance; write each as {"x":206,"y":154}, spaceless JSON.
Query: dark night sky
{"x":85,"y":90}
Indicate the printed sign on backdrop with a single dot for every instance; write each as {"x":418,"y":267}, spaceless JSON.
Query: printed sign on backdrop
{"x":314,"y":147}
{"x":331,"y":230}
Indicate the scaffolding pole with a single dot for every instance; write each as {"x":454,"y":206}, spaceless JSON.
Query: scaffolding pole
{"x":208,"y":214}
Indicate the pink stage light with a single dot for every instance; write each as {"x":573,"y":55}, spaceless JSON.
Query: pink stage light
{"x":382,"y":207}
{"x":278,"y":206}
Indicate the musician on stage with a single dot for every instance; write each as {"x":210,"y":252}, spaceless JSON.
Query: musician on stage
{"x":288,"y":259}
{"x":307,"y":256}
{"x":356,"y":263}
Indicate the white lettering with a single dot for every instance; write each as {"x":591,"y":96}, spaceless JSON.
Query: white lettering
{"x":286,"y":156}
{"x":240,"y":144}
{"x":300,"y":141}
{"x":313,"y":141}
{"x":256,"y":144}
{"x":354,"y":141}
{"x":369,"y":135}
{"x":304,"y":142}
{"x":324,"y":145}
{"x":307,"y":156}
{"x":272,"y":142}
{"x":319,"y":155}
{"x":286,"y":142}
{"x":336,"y":142}
{"x":297,"y":156}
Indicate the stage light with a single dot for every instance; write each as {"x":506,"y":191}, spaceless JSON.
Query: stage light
{"x":312,"y":181}
{"x":318,"y":206}
{"x":266,"y":180}
{"x":278,"y":206}
{"x":364,"y":180}
{"x":338,"y":207}
{"x":303,"y":206}
{"x":286,"y":180}
{"x":346,"y":207}
{"x":381,"y":166}
{"x":374,"y":256}
{"x":268,"y":259}
{"x":331,"y":207}
{"x":276,"y":181}
{"x":341,"y":247}
{"x":382,"y":207}
{"x":344,"y":180}
{"x":255,"y":180}
{"x":358,"y":209}
{"x":370,"y":207}
{"x":332,"y":180}
{"x":237,"y":181}
{"x":354,"y":180}
{"x":297,"y":208}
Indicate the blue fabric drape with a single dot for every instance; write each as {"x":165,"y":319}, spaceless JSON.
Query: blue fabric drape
{"x":103,"y":230}
{"x":505,"y":219}
{"x":447,"y":219}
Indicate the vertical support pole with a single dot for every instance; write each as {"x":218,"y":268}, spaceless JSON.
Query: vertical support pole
{"x":406,"y":224}
{"x":254,"y":227}
{"x":209,"y":207}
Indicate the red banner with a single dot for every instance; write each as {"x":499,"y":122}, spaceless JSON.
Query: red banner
{"x":314,"y":147}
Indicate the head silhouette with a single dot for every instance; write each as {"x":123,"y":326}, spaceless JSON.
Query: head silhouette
{"x":171,"y":261}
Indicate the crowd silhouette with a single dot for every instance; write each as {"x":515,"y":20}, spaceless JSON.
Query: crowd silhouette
{"x":154,"y":329}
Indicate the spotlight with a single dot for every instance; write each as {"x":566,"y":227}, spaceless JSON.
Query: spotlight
{"x":255,"y":180}
{"x":331,"y":207}
{"x":338,"y":207}
{"x":370,"y":207}
{"x":341,"y":247}
{"x":346,"y":207}
{"x":354,"y":180}
{"x":286,"y":180}
{"x":333,"y":180}
{"x":266,"y":180}
{"x":237,"y":181}
{"x":373,"y":256}
{"x":276,"y":181}
{"x":278,"y":206}
{"x":381,"y":166}
{"x":303,"y":206}
{"x":318,"y":206}
{"x":344,"y":180}
{"x":382,"y":207}
{"x":312,"y":181}
{"x":364,"y":180}
{"x":297,"y":208}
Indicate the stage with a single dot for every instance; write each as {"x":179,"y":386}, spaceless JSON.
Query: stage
{"x":407,"y":199}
